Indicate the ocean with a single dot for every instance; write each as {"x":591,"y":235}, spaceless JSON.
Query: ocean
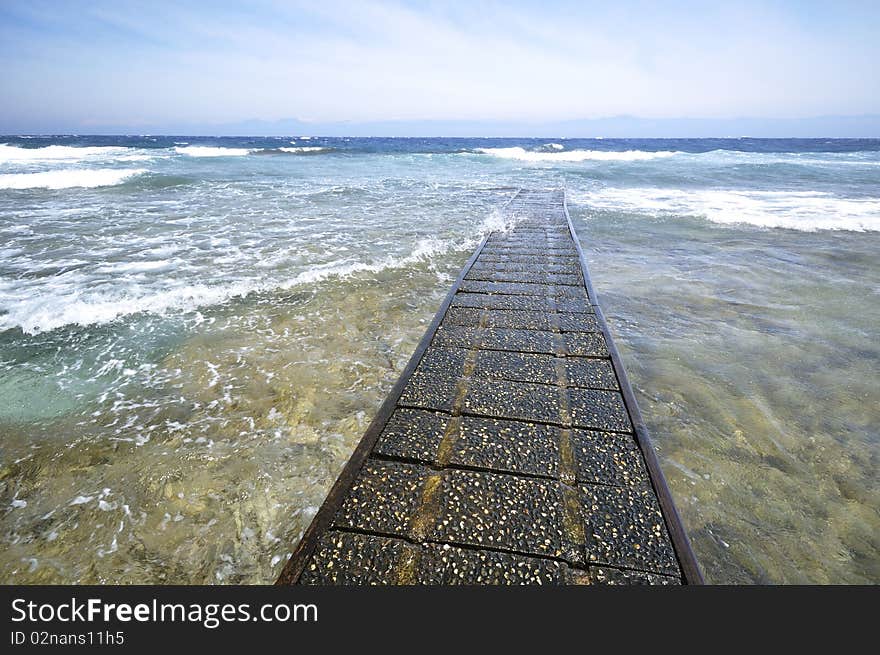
{"x":195,"y":332}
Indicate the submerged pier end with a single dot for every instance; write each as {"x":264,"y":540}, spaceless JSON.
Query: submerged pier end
{"x":511,"y":450}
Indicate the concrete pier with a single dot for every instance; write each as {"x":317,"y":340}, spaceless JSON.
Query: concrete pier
{"x":511,"y":450}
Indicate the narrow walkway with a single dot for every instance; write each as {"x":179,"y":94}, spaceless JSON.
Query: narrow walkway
{"x":511,"y":450}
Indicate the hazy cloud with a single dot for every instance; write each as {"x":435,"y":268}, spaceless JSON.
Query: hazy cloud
{"x":160,"y":63}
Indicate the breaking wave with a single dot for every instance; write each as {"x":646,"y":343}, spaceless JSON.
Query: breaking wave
{"x":65,"y":179}
{"x":299,"y":150}
{"x":211,"y":151}
{"x":798,"y":210}
{"x":553,"y":154}
{"x":14,"y":154}
{"x":53,"y":308}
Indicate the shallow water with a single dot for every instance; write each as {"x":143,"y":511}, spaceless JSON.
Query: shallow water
{"x":194,"y":334}
{"x":755,"y":359}
{"x":209,"y":460}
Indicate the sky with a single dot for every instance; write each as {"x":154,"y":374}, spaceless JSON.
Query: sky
{"x":263,"y":65}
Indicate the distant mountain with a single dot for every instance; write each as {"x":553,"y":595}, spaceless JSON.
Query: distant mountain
{"x":865,"y":126}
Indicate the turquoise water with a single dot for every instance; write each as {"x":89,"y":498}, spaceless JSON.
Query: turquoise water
{"x":194,"y":333}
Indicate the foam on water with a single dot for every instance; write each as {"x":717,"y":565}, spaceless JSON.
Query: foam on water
{"x":424,"y":250}
{"x":521,"y":154}
{"x":304,"y":149}
{"x":14,"y":154}
{"x":68,"y":178}
{"x":797,"y":210}
{"x":215,"y":421}
{"x":59,"y":307}
{"x":209,"y":151}
{"x":82,"y":296}
{"x":137,"y":157}
{"x":723,"y":156}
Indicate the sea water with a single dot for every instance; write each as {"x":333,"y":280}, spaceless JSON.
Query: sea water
{"x":195,"y":332}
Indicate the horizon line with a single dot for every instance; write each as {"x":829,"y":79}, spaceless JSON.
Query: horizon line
{"x":418,"y":136}
{"x":827,"y":126}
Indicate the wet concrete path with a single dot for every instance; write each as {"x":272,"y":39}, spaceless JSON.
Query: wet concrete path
{"x":511,"y":450}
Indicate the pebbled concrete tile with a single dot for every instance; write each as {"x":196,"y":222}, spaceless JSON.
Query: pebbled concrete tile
{"x":606,"y":575}
{"x":624,"y":527}
{"x":590,"y":373}
{"x":452,"y":336}
{"x":544,"y":260}
{"x":574,"y":305}
{"x":510,"y":288}
{"x":346,"y":558}
{"x":462,"y":317}
{"x":507,"y":446}
{"x":522,"y":367}
{"x":522,"y":341}
{"x":445,"y":362}
{"x":427,"y":390}
{"x":523,"y":276}
{"x":517,"y":320}
{"x":383,"y":498}
{"x":578,"y":322}
{"x":601,"y":410}
{"x":500,"y":511}
{"x":608,"y":458}
{"x":512,"y":400}
{"x":516,"y":252}
{"x":412,"y":434}
{"x":487,"y":301}
{"x":442,"y":564}
{"x":434,"y":383}
{"x":573,"y":293}
{"x":585,"y":344}
{"x":497,"y":265}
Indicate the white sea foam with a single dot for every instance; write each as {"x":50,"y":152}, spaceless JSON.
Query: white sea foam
{"x":138,"y":157}
{"x":35,"y":315}
{"x":68,"y":178}
{"x":554,"y":146}
{"x":71,"y":304}
{"x":210,"y":151}
{"x":423,"y":251}
{"x":798,"y":210}
{"x":137,"y":267}
{"x":14,"y":154}
{"x":51,"y":311}
{"x":823,"y":159}
{"x":522,"y":154}
{"x":301,"y":149}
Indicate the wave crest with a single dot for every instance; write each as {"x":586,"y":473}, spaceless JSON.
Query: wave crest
{"x":65,"y":179}
{"x":298,"y":150}
{"x":522,"y":154}
{"x":211,"y":151}
{"x":42,"y":312}
{"x":15,"y":154}
{"x":807,"y":211}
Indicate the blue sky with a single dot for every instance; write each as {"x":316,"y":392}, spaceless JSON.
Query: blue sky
{"x":156,"y":65}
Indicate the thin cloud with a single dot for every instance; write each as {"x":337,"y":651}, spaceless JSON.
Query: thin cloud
{"x":370,"y":61}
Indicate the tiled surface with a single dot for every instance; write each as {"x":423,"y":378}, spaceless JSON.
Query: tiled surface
{"x":510,"y":458}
